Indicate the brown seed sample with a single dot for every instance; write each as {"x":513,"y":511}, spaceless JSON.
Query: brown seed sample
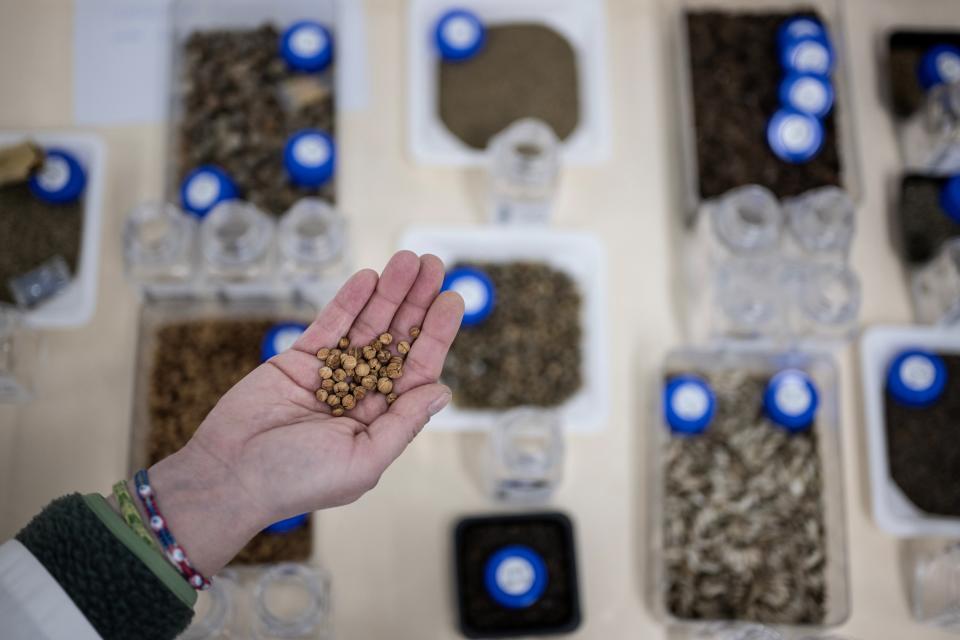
{"x":403,"y":347}
{"x":394,"y":372}
{"x":333,"y":360}
{"x":391,"y":398}
{"x":362,"y":369}
{"x":414,"y":332}
{"x":323,"y":353}
{"x":344,"y":343}
{"x":369,"y":352}
{"x":341,"y":388}
{"x":385,"y":385}
{"x":375,"y":366}
{"x":326,"y":372}
{"x":327,"y":385}
{"x":349,"y":363}
{"x":333,"y":400}
{"x":385,"y":338}
{"x":322,"y":395}
{"x":348,"y":402}
{"x":359,"y":393}
{"x":383,"y":357}
{"x":336,"y":413}
{"x":339,"y":375}
{"x":369,"y":382}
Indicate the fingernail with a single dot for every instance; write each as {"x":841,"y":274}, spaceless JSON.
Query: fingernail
{"x":439,"y":403}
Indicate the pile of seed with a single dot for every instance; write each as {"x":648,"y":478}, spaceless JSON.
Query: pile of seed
{"x":743,"y":524}
{"x":348,"y":373}
{"x":528,"y":351}
{"x":240,"y":103}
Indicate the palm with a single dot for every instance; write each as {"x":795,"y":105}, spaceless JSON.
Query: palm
{"x":284,"y":447}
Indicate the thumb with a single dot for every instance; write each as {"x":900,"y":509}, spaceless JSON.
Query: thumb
{"x":394,"y":430}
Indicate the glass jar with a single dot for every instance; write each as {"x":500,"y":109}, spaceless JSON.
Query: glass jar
{"x":311,"y":237}
{"x":19,"y":354}
{"x":746,"y":221}
{"x":292,"y":601}
{"x":212,"y":612}
{"x":935,"y":287}
{"x":936,"y":589}
{"x":748,"y":298}
{"x":524,"y":172}
{"x":930,"y":139}
{"x":158,"y":243}
{"x":828,"y":300}
{"x":525,"y":455}
{"x":43,"y":282}
{"x":821,"y":221}
{"x":236,"y":240}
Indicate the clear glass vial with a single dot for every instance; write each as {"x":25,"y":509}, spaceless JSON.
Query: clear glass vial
{"x":525,"y":458}
{"x":746,"y":221}
{"x":212,"y":612}
{"x":736,"y":631}
{"x":935,"y":287}
{"x":748,"y":298}
{"x":821,"y":221}
{"x":524,"y":172}
{"x":292,"y":601}
{"x":828,"y":300}
{"x":930,"y":139}
{"x":158,"y":243}
{"x":936,"y":589}
{"x":19,"y":353}
{"x":311,"y":237}
{"x":236,"y":240}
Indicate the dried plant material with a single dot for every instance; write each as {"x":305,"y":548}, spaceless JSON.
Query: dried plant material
{"x":18,"y":161}
{"x":743,"y":515}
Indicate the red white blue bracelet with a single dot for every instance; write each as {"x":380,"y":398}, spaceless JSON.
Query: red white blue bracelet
{"x":158,"y":524}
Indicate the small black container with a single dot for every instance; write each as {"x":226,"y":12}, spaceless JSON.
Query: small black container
{"x":548,"y":537}
{"x":922,"y":223}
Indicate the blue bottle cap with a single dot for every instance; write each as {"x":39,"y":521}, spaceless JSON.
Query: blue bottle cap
{"x":939,"y":65}
{"x":950,"y":198}
{"x":61,"y":179}
{"x":288,"y":525}
{"x":515,"y":576}
{"x":689,"y":404}
{"x":791,"y":400}
{"x":916,"y":378}
{"x":795,"y":29}
{"x":310,"y":157}
{"x":459,"y":35}
{"x":477,"y":291}
{"x":793,"y":136}
{"x":807,"y":55}
{"x":279,"y":338}
{"x":204,"y":188}
{"x":307,"y":46}
{"x":807,"y":93}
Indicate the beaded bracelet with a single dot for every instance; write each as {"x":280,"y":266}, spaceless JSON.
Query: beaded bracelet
{"x":131,"y":515}
{"x":173,"y":551}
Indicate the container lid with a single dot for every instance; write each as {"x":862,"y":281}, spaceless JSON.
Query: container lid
{"x":795,"y":29}
{"x":288,"y":525}
{"x":807,"y":93}
{"x":61,"y":179}
{"x":793,"y":136}
{"x":477,"y":291}
{"x":916,"y":378}
{"x":689,"y":403}
{"x":204,"y":188}
{"x":307,"y":46}
{"x":807,"y":55}
{"x":310,"y":157}
{"x":515,"y":576}
{"x":459,"y":35}
{"x":939,"y":65}
{"x":950,"y":198}
{"x":279,"y":338}
{"x":791,"y":399}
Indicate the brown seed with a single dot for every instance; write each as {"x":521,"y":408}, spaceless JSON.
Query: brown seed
{"x":326,"y":372}
{"x":336,"y":352}
{"x":333,"y":360}
{"x":369,"y":382}
{"x":385,"y":385}
{"x":362,"y":369}
{"x":396,"y":360}
{"x":327,"y":385}
{"x":323,"y":353}
{"x":375,"y":366}
{"x":337,"y":412}
{"x":385,"y":338}
{"x":393,"y":374}
{"x":341,"y":388}
{"x":339,"y":375}
{"x":383,"y":357}
{"x":354,"y":351}
{"x":369,"y":352}
{"x":348,"y":402}
{"x":414,"y":332}
{"x":359,"y":393}
{"x":344,"y":342}
{"x":403,"y":347}
{"x":391,"y":398}
{"x":349,"y":363}
{"x":333,"y":400}
{"x":322,"y":395}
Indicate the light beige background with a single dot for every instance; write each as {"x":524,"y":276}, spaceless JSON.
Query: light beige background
{"x":389,"y":552}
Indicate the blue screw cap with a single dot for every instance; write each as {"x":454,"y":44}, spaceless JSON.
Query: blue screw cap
{"x":807,"y":93}
{"x":279,"y":338}
{"x":204,"y":188}
{"x":60,"y":180}
{"x":288,"y":525}
{"x":689,"y":404}
{"x":791,"y":400}
{"x":793,"y":136}
{"x":808,"y":55}
{"x":515,"y":576}
{"x":477,"y":290}
{"x":795,"y":29}
{"x":939,"y":65}
{"x":459,"y":35}
{"x":307,"y":46}
{"x":950,"y":198}
{"x":310,"y":157}
{"x":917,"y":378}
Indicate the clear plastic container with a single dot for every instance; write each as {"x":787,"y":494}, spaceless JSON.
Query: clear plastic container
{"x":19,"y":356}
{"x":821,"y":221}
{"x":935,"y":287}
{"x":524,"y":173}
{"x":213,"y":612}
{"x":746,"y":222}
{"x":749,"y":298}
{"x":936,"y":589}
{"x":236,"y":241}
{"x":292,"y":601}
{"x":930,"y":138}
{"x":311,"y":238}
{"x":827,"y":301}
{"x":159,"y":242}
{"x":525,"y":456}
{"x":42,"y":283}
{"x":821,"y":369}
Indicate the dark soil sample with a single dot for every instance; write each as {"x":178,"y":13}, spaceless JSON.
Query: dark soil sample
{"x":33,"y":231}
{"x":528,"y":351}
{"x":240,"y":104}
{"x":906,"y":50}
{"x":548,"y":534}
{"x":923,"y":447}
{"x":523,"y":71}
{"x":736,"y":74}
{"x":923,"y":224}
{"x":743,"y":521}
{"x":194,"y":363}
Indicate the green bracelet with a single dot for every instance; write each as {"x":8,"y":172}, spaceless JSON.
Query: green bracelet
{"x":131,"y":515}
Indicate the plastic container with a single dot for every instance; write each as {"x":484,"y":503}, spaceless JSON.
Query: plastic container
{"x":20,"y":352}
{"x":930,"y":138}
{"x":821,"y":370}
{"x":236,"y":242}
{"x":893,"y":511}
{"x":159,"y":244}
{"x":524,"y":173}
{"x":292,"y":601}
{"x":74,"y":306}
{"x":525,"y":456}
{"x":583,"y":258}
{"x":935,"y":287}
{"x":583,"y":24}
{"x":935,"y":592}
